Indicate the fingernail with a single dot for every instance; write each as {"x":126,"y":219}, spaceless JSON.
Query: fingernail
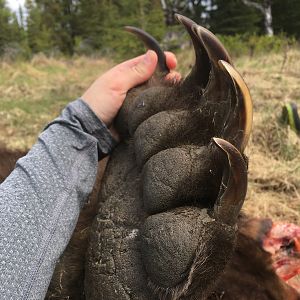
{"x":147,"y":58}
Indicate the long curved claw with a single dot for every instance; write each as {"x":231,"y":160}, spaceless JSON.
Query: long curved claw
{"x":239,"y":124}
{"x":208,"y":51}
{"x":214,"y":48}
{"x":201,"y":69}
{"x":206,"y":74}
{"x":233,"y":186}
{"x":151,"y":43}
{"x":217,"y":88}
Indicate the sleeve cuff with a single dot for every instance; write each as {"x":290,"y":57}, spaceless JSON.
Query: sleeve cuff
{"x":79,"y":114}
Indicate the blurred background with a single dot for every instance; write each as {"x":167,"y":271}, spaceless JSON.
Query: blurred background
{"x":52,"y":50}
{"x":68,"y":27}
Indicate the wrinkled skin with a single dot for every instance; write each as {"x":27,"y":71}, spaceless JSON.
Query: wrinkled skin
{"x":171,"y":195}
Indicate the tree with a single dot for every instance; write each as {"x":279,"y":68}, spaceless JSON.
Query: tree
{"x":102,"y":23}
{"x":265,"y":8}
{"x":52,"y":24}
{"x":5,"y":17}
{"x":11,"y":33}
{"x":289,"y":21}
{"x":38,"y":35}
{"x":233,"y":17}
{"x":193,"y":9}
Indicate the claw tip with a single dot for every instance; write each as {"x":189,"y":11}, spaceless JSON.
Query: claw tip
{"x":247,"y":101}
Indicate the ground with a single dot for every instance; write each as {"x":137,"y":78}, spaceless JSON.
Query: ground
{"x":32,"y":93}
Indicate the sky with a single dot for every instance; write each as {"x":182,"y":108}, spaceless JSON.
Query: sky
{"x":14,"y":4}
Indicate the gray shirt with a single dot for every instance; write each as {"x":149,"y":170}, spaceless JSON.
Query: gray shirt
{"x":40,"y":201}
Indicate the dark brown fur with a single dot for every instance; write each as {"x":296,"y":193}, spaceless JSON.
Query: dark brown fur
{"x":249,"y":275}
{"x":8,"y":159}
{"x":168,"y":168}
{"x":164,"y":229}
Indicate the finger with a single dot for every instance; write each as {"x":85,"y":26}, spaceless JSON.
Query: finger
{"x":131,"y":62}
{"x":171,"y":60}
{"x":138,"y":70}
{"x":173,"y":76}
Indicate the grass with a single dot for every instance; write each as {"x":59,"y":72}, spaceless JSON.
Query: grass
{"x":274,"y":150}
{"x":32,"y":93}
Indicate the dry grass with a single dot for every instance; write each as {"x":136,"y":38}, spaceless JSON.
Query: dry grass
{"x":274,"y":150}
{"x":33,"y":93}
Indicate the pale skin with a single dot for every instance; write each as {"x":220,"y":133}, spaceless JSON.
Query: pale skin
{"x":106,"y":95}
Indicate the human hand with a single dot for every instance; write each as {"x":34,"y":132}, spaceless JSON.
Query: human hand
{"x":106,"y":95}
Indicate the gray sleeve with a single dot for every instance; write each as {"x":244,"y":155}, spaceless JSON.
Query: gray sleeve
{"x":40,"y":201}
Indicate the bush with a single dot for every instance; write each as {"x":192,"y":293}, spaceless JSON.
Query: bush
{"x":251,"y":45}
{"x":14,"y":51}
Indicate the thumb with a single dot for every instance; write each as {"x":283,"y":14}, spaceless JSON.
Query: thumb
{"x":142,"y":70}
